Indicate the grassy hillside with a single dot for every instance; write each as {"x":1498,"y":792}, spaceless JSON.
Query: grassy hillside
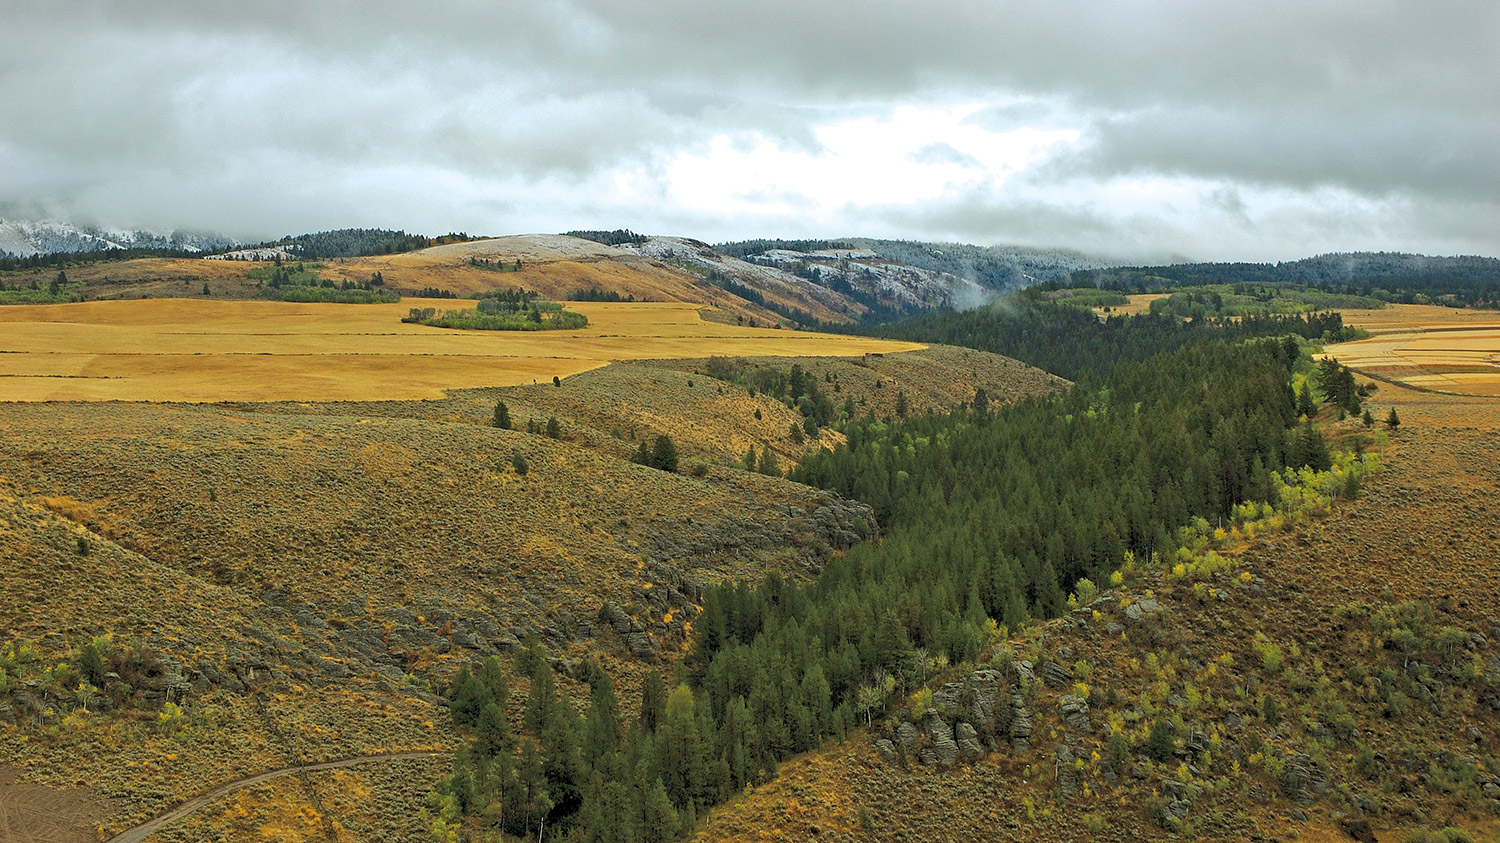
{"x":295,"y":578}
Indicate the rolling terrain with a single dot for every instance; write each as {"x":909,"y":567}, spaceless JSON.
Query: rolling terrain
{"x":299,"y":574}
{"x":1343,"y":669}
{"x":186,"y":350}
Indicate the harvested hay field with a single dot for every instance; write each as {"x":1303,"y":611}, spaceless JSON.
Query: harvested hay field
{"x":1139,"y":303}
{"x":1427,"y":347}
{"x":199,"y":350}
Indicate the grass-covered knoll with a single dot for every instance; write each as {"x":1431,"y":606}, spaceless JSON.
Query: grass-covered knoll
{"x":503,"y":310}
{"x":1087,"y":297}
{"x":56,"y":291}
{"x":302,"y":283}
{"x":1217,"y":300}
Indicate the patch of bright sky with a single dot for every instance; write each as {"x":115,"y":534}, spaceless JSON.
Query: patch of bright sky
{"x":911,"y":154}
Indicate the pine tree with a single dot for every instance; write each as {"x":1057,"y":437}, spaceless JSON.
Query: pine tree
{"x":659,"y":819}
{"x":491,"y":731}
{"x":653,"y":701}
{"x":492,"y":673}
{"x":554,"y":430}
{"x":601,"y":731}
{"x":1306,"y":406}
{"x":502,"y":416}
{"x":1393,"y":421}
{"x":768,"y":464}
{"x":540,"y":700}
{"x":664,"y":454}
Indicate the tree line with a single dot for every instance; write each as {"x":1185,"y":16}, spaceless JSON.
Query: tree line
{"x":991,"y":517}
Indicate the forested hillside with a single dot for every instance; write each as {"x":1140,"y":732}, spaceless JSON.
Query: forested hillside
{"x":990,"y":517}
{"x":1468,"y":281}
{"x":1070,"y":341}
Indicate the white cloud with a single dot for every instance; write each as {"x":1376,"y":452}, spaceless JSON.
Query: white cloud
{"x":1220,"y":131}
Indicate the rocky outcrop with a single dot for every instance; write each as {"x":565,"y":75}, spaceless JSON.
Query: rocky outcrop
{"x":944,"y":749}
{"x":1021,"y":725}
{"x":968,"y":742}
{"x":1075,"y":712}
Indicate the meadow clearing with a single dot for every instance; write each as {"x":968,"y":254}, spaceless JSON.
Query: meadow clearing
{"x":207,"y":350}
{"x":1427,"y":347}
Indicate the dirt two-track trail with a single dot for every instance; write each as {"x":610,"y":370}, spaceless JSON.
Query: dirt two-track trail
{"x":151,"y":826}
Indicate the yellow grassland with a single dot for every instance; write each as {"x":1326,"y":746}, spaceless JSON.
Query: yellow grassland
{"x":1429,"y":347}
{"x":210,"y":350}
{"x":1139,"y":303}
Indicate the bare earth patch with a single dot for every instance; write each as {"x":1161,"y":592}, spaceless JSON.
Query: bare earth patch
{"x":31,"y":813}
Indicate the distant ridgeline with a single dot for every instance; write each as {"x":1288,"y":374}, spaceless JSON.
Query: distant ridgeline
{"x":1387,"y":276}
{"x":990,"y":516}
{"x":1069,"y":341}
{"x":358,"y":242}
{"x":502,"y":310}
{"x":618,"y":237}
{"x":994,"y":267}
{"x":300,"y":283}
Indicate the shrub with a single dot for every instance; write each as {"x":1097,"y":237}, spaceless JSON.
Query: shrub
{"x":518,"y":462}
{"x":1159,"y":742}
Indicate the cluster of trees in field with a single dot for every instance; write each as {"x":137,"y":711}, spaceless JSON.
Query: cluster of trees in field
{"x":596,"y":294}
{"x":58,"y":290}
{"x":1069,"y":341}
{"x":357,"y":242}
{"x":797,"y":388}
{"x":1200,"y":302}
{"x":502,"y":310}
{"x":300,"y":282}
{"x":660,"y":454}
{"x":1464,"y":281}
{"x":618,"y":237}
{"x":495,"y":265}
{"x":992,"y":516}
{"x":1084,"y":297}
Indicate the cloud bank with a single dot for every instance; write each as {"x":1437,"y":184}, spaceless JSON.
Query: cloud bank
{"x":1141,"y":129}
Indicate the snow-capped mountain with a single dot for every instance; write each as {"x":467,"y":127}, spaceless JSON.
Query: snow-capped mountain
{"x":24,"y":238}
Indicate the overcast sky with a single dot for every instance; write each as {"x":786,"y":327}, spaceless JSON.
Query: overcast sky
{"x":1213,"y":130}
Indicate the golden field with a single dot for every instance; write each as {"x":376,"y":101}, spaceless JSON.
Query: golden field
{"x":208,"y":350}
{"x":1427,"y":347}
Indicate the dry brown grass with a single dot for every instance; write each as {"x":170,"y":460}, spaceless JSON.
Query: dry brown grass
{"x":1139,"y":303}
{"x":198,"y":350}
{"x":1443,"y":349}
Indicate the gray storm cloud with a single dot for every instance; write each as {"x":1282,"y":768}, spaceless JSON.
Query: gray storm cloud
{"x":1286,"y":127}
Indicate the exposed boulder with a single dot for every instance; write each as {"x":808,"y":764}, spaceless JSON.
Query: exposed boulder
{"x":968,"y":741}
{"x":1020,"y":724}
{"x":944,"y":750}
{"x":1075,"y":712}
